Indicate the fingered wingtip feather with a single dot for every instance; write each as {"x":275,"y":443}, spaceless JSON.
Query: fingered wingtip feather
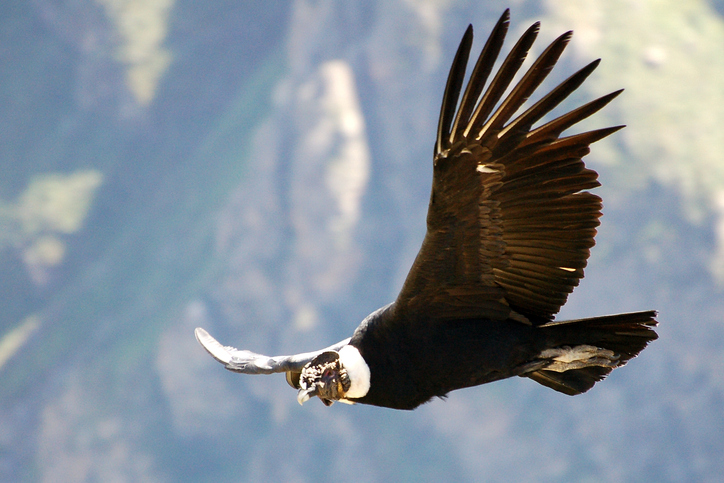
{"x":502,"y":80}
{"x":530,"y":82}
{"x":452,"y":90}
{"x":548,"y":102}
{"x":479,"y":76}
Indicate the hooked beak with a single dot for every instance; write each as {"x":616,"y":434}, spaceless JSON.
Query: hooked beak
{"x":305,"y":394}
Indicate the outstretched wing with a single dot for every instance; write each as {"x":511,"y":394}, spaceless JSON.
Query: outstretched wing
{"x":509,"y":224}
{"x":247,"y":362}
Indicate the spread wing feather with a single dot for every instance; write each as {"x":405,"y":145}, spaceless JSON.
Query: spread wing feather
{"x":510,"y":222}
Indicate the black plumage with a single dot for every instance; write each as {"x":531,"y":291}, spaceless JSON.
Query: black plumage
{"x":509,"y":229}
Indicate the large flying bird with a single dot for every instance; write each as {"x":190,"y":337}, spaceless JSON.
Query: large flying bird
{"x":509,"y":228}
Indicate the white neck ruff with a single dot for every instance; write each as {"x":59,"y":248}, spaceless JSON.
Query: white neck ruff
{"x":357,"y":370}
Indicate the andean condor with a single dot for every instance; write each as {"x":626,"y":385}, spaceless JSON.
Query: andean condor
{"x":509,"y":228}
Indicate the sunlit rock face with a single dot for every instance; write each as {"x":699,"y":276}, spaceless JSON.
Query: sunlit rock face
{"x":142,"y":28}
{"x":38,"y":224}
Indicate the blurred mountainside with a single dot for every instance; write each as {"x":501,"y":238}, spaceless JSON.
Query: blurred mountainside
{"x":263,"y":171}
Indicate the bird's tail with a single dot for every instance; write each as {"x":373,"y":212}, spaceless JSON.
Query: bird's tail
{"x":582,"y":352}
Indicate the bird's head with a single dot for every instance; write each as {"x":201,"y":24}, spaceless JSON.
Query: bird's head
{"x":324,"y":377}
{"x":335,"y":376}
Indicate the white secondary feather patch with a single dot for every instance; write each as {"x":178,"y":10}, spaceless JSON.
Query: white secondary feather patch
{"x":357,"y":370}
{"x":578,"y":357}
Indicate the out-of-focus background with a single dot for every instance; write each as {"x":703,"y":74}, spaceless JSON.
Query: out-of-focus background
{"x":262,"y":169}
